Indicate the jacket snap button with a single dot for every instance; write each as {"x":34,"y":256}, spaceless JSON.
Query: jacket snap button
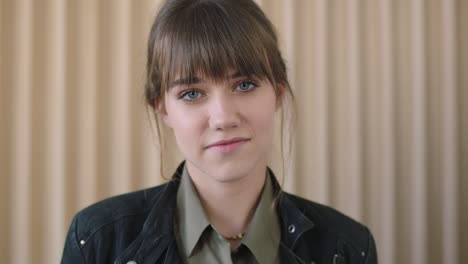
{"x":291,"y":229}
{"x":131,"y":262}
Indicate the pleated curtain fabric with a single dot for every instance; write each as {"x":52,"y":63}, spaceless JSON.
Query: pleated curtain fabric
{"x":381,"y":92}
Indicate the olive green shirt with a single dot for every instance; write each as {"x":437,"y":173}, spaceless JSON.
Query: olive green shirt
{"x":200,"y":242}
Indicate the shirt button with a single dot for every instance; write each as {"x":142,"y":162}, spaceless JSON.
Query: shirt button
{"x":131,"y":262}
{"x":292,"y":229}
{"x":82,"y":242}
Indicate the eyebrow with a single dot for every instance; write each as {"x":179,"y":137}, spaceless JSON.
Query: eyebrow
{"x":195,"y":80}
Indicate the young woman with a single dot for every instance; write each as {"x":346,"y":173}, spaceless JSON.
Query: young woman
{"x":216,"y":78}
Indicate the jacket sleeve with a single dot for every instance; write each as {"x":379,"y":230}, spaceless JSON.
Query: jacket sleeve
{"x":72,"y":252}
{"x":371,"y":254}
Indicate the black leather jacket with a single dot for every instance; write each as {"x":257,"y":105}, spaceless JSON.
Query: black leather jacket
{"x":138,"y":228}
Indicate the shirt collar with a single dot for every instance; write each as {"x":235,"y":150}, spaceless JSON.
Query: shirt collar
{"x":191,"y":216}
{"x":264,"y":234}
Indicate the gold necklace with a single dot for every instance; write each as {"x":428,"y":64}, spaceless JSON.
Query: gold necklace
{"x":236,"y":237}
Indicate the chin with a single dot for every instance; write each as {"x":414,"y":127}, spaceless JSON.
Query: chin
{"x":228,"y":169}
{"x":233,"y":171}
{"x":229,"y":176}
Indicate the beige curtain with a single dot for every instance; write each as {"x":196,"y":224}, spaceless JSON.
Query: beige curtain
{"x":381,"y":88}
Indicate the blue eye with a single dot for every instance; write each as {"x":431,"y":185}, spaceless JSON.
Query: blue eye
{"x":246,"y":86}
{"x":190,"y":95}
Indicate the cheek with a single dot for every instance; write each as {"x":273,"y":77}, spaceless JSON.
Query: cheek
{"x":186,"y":125}
{"x":261,"y":116}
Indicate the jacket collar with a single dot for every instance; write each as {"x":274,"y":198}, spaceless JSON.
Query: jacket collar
{"x":293,"y":224}
{"x":157,"y":235}
{"x":158,"y":240}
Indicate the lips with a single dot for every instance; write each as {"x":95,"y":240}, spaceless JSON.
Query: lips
{"x":227,"y":142}
{"x":227,"y":146}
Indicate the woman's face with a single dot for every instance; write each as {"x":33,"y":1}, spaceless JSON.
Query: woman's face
{"x":223,"y":129}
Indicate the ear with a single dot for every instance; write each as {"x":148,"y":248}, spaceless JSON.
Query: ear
{"x":160,"y":108}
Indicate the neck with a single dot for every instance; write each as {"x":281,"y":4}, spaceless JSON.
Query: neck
{"x":229,"y":205}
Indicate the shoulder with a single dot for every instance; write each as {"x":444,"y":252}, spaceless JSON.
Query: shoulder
{"x":100,"y":232}
{"x":328,"y":217}
{"x":330,"y":223}
{"x":126,"y":207}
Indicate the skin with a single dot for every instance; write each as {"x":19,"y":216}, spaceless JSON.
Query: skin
{"x":203,"y":112}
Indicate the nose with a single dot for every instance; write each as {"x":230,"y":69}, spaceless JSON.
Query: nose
{"x":224,"y":113}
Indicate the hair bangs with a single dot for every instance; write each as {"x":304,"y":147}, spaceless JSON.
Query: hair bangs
{"x":206,"y":42}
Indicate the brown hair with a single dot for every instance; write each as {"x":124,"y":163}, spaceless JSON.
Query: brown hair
{"x":208,"y":38}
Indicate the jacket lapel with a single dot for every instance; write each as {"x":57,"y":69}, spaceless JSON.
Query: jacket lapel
{"x":172,"y":254}
{"x":157,"y":235}
{"x":287,"y":256}
{"x":293,"y":225}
